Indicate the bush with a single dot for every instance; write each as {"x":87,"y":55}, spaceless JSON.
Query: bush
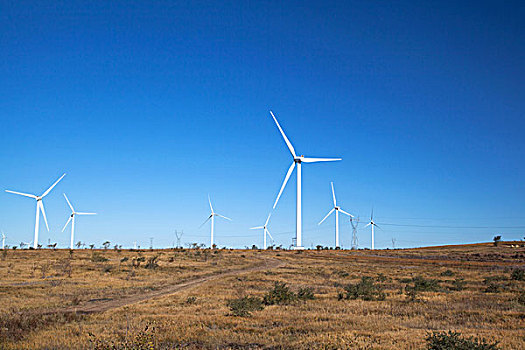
{"x":152,"y":263}
{"x":458,"y":284}
{"x":96,"y":257}
{"x":244,"y":306}
{"x":280,"y":294}
{"x":364,"y":289}
{"x":452,"y":341}
{"x":521,"y":298}
{"x":426,"y":285}
{"x":191,"y":300}
{"x":447,"y":273}
{"x":518,"y":275}
{"x":492,"y":288}
{"x":306,"y":293}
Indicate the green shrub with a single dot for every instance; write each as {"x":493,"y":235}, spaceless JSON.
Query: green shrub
{"x":492,"y":288}
{"x":426,"y":285}
{"x":518,"y":275}
{"x":453,"y":341}
{"x":244,"y":306}
{"x":191,"y":300}
{"x":152,"y":263}
{"x":306,"y":293}
{"x":365,"y":289}
{"x":458,"y":284}
{"x":521,"y":298}
{"x":447,"y":273}
{"x":96,"y":257}
{"x":280,"y":294}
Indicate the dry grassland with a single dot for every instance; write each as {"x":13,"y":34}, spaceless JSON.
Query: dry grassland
{"x":178,"y":299}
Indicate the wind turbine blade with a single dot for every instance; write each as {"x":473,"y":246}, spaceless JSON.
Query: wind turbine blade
{"x":368,"y":224}
{"x":22,"y":194}
{"x":256,"y":228}
{"x":268,"y":232}
{"x":68,"y":202}
{"x":80,"y":213}
{"x":68,"y":220}
{"x":372,"y":215}
{"x":224,"y":217}
{"x":268,"y":219}
{"x":284,"y":183}
{"x":209,"y":201}
{"x":333,"y":194}
{"x":327,"y":215}
{"x":43,"y":213}
{"x":53,"y":185}
{"x":378,"y":227}
{"x":288,"y":143}
{"x":209,"y":217}
{"x":344,"y":212}
{"x":315,"y":160}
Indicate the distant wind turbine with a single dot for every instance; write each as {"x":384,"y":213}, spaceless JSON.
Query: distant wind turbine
{"x":372,"y":223}
{"x":337,"y":210}
{"x":72,"y":219}
{"x":39,"y":207}
{"x":297,"y":160}
{"x":3,"y":240}
{"x":265,"y":230}
{"x":212,"y":217}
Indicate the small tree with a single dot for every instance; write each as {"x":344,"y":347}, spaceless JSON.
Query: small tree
{"x":496,"y":239}
{"x":91,"y":246}
{"x":106,"y":244}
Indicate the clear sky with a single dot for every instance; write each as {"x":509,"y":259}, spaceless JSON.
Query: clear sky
{"x":151,"y":106}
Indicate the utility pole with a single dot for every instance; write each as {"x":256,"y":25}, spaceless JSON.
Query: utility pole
{"x":393,"y":243}
{"x":354,"y":224}
{"x":179,"y":236}
{"x":151,"y":243}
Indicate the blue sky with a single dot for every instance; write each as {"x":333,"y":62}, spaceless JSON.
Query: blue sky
{"x":151,"y":107}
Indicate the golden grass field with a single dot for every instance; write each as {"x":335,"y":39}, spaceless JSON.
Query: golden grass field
{"x":109,"y":299}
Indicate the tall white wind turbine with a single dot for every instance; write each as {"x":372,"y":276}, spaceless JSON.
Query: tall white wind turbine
{"x":3,"y":240}
{"x":39,"y":207}
{"x":337,"y":210}
{"x":212,"y":217}
{"x":297,"y":161}
{"x":72,"y":219}
{"x":373,"y":224}
{"x":265,"y":230}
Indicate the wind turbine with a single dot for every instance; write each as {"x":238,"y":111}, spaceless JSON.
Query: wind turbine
{"x":265,"y":229}
{"x":39,"y":207}
{"x":3,"y":240}
{"x":212,"y":217}
{"x":337,"y":210}
{"x":72,"y":219}
{"x":372,"y":223}
{"x":297,"y":160}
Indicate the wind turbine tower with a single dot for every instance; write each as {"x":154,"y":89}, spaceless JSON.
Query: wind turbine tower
{"x":265,"y":230}
{"x":373,"y":224}
{"x":297,"y":161}
{"x":39,"y":207}
{"x":72,"y":219}
{"x":337,"y":209}
{"x":3,"y":240}
{"x":212,"y":217}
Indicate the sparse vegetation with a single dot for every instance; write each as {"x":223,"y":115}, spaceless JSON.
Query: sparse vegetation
{"x":244,"y":306}
{"x":518,"y":275}
{"x":279,"y":294}
{"x":365,"y":289}
{"x":36,"y":288}
{"x":453,"y":341}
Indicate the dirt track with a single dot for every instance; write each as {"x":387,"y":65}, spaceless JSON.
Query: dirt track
{"x":105,"y":304}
